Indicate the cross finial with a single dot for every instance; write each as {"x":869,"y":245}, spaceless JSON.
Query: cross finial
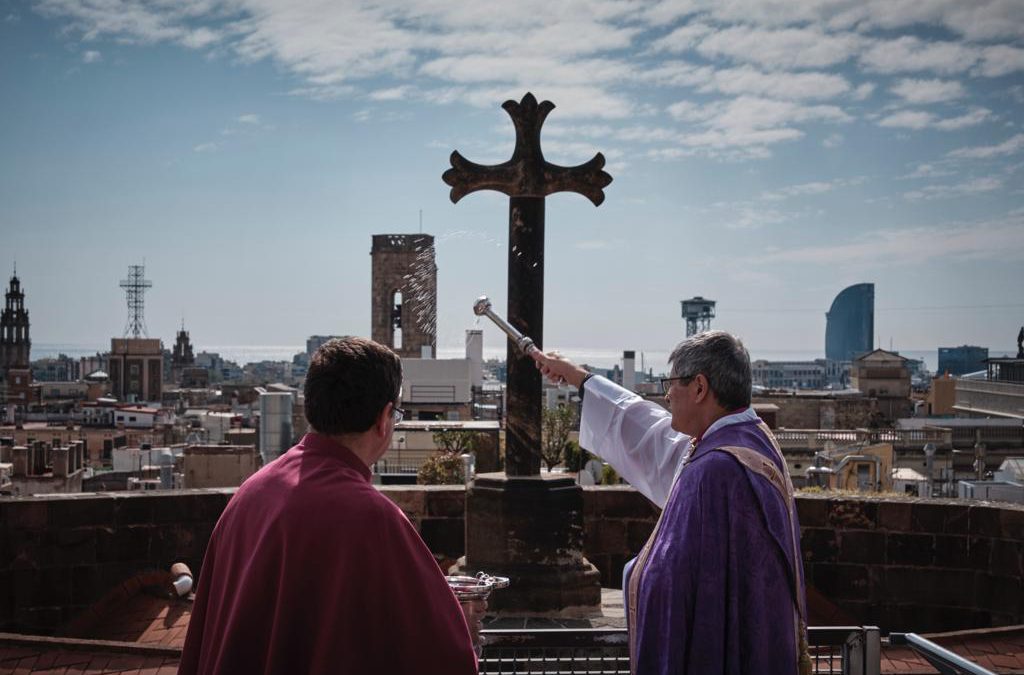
{"x":527,"y":174}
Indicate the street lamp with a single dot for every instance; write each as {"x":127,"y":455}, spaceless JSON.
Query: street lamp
{"x":400,"y":441}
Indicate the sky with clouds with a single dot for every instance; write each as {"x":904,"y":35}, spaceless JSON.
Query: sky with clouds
{"x":765,"y":154}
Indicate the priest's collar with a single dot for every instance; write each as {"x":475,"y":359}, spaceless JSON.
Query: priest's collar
{"x":736,"y":417}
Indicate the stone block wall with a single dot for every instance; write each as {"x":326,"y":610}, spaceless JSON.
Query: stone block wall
{"x":924,"y":565}
{"x":61,"y":553}
{"x":439,"y":514}
{"x":812,"y":412}
{"x":902,"y":564}
{"x":617,"y":520}
{"x":405,"y":263}
{"x":921,"y":565}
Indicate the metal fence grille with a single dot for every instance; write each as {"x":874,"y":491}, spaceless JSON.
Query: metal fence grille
{"x":846,"y":650}
{"x":558,"y":651}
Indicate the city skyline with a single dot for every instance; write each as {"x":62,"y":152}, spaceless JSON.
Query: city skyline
{"x":763,"y":156}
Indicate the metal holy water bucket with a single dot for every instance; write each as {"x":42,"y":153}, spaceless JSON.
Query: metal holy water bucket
{"x":469,"y":590}
{"x":475,"y":588}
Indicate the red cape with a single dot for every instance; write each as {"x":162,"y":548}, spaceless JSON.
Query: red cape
{"x":311,"y":570}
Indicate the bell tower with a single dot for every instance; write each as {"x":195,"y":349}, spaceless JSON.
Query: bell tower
{"x":15,"y":344}
{"x":404,"y":293}
{"x":182,"y":355}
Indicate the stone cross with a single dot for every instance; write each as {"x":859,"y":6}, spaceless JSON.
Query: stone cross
{"x":527,"y":179}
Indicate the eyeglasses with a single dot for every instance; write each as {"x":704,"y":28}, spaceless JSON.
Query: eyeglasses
{"x":666,"y":382}
{"x":397,"y":414}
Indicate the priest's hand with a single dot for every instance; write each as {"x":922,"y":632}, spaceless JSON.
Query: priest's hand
{"x":474,"y":611}
{"x":559,"y":369}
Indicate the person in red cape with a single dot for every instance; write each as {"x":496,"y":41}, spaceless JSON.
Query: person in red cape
{"x":310,"y":569}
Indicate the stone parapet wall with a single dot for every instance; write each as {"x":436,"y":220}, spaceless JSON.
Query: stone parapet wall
{"x":925,"y":565}
{"x":439,"y":514}
{"x":820,"y":412}
{"x":617,"y":520}
{"x":903,"y":564}
{"x":61,"y":553}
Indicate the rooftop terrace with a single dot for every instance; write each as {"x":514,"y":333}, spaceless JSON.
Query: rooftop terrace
{"x":928,"y":566}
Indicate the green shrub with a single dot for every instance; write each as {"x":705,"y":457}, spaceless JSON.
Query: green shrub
{"x":609,"y":476}
{"x":444,"y":468}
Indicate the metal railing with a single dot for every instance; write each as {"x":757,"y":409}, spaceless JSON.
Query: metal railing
{"x":845,"y":650}
{"x":556,"y":651}
{"x":943,"y":660}
{"x":1003,"y":437}
{"x":842,"y":650}
{"x":396,"y":466}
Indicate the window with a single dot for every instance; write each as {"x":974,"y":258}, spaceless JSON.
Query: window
{"x":132,"y":418}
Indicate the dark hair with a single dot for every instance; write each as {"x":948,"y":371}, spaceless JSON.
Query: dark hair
{"x":349,"y":382}
{"x":722,"y":359}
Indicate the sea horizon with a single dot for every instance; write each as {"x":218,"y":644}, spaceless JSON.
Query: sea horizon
{"x":597,"y":357}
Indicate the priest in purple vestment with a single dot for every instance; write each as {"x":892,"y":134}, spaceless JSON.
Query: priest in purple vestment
{"x":310,"y":569}
{"x":718,"y":588}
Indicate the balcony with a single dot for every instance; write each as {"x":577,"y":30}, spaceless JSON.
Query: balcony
{"x":988,"y":398}
{"x":901,"y":439}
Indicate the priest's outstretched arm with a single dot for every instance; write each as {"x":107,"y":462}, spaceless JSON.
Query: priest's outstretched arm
{"x":633,"y":435}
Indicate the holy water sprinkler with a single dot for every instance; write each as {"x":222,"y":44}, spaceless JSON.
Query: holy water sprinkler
{"x":482,"y":307}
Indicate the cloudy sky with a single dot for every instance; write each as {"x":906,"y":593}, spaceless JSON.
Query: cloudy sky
{"x":765,"y":154}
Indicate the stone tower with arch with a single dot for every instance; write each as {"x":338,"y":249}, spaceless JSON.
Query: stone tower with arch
{"x":404,"y":293}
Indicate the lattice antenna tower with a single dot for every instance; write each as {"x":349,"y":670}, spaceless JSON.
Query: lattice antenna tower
{"x":135,"y":288}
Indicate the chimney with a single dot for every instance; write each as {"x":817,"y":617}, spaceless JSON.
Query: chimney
{"x":60,"y":462}
{"x":77,"y":455}
{"x":629,"y":370}
{"x":20,"y":453}
{"x":475,"y":354}
{"x":39,"y":451}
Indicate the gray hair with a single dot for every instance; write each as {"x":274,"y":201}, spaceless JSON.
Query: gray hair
{"x":722,"y":359}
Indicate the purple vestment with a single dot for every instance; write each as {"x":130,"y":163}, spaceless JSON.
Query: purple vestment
{"x":715,"y":592}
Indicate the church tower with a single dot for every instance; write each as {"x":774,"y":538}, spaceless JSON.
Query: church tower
{"x":404,"y":288}
{"x":14,"y":341}
{"x":182,"y":356}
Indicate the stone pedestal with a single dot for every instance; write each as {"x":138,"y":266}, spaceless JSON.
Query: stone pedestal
{"x":530,"y":529}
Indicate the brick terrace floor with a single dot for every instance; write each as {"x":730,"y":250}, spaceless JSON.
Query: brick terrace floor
{"x":32,"y":654}
{"x":144,"y":620}
{"x":1000,"y":650}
